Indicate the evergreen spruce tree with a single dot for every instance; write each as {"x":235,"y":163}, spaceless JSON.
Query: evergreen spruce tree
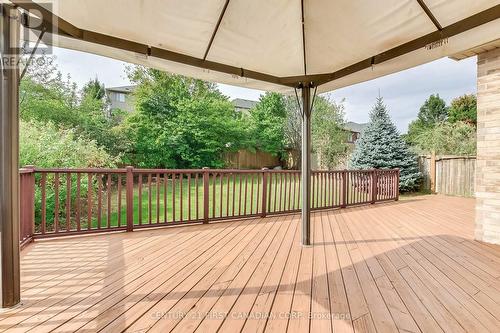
{"x":381,"y":147}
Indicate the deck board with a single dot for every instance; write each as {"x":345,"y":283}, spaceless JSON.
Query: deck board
{"x":410,"y":266}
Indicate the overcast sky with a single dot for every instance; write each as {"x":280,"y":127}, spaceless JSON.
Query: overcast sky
{"x":403,"y":92}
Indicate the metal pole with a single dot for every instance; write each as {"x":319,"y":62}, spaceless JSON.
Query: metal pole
{"x":9,"y":157}
{"x":306,"y":165}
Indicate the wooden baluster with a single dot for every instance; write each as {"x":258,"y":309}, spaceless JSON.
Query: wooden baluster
{"x":197,"y":196}
{"x":320,"y":189}
{"x":221,"y":184}
{"x":78,"y":201}
{"x":158,"y":181}
{"x":214,"y":186}
{"x":181,"y":194}
{"x":139,"y":184}
{"x":299,"y":184}
{"x":234,"y":194}
{"x":270,"y":177}
{"x":329,"y":190}
{"x":149,"y":199}
{"x":345,"y":197}
{"x":189,"y":195}
{"x":99,"y":200}
{"x":257,"y":196}
{"x":252,"y":176}
{"x":398,"y":174}
{"x":129,"y":197}
{"x":246,"y":189}
{"x":355,"y":186}
{"x":275,"y":177}
{"x":316,"y":190}
{"x":43,"y":186}
{"x":312,"y":188}
{"x":68,"y":201}
{"x":89,"y":201}
{"x":239,"y":190}
{"x":325,"y":187}
{"x":56,"y":205}
{"x":287,"y":191}
{"x":108,"y":197}
{"x":119,"y":199}
{"x":296,"y":191}
{"x":227,"y":194}
{"x":264,"y":193}
{"x":280,"y":200}
{"x":206,"y":184}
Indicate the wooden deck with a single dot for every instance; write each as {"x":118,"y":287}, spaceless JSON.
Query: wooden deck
{"x":409,"y":266}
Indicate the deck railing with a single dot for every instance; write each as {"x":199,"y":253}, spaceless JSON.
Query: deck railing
{"x":75,"y":201}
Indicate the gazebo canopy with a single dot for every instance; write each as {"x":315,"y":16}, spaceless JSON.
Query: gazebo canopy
{"x":273,"y":45}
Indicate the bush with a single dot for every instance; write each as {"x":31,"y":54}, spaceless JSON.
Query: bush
{"x":46,"y":146}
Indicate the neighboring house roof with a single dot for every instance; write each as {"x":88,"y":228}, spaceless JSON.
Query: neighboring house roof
{"x":355,"y":127}
{"x":122,"y":89}
{"x":241,"y":103}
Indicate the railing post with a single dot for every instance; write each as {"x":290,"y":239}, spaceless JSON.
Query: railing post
{"x":206,"y":188}
{"x":398,"y":171}
{"x":27,"y":204}
{"x":130,"y":198}
{"x":374,"y":185}
{"x":264,"y":192}
{"x":343,"y":203}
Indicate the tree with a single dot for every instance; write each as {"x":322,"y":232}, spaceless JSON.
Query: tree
{"x":328,"y":134}
{"x":464,"y":109}
{"x":327,"y":131}
{"x":179,"y":123}
{"x":458,"y":138}
{"x":94,"y":89}
{"x":434,"y":111}
{"x":267,"y":124}
{"x":293,"y":131}
{"x":381,"y":147}
{"x":48,"y":98}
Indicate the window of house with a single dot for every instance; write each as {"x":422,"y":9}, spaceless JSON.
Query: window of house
{"x":120,"y":97}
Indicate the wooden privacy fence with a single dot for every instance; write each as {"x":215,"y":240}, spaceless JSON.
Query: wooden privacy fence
{"x":449,"y":175}
{"x":75,"y":201}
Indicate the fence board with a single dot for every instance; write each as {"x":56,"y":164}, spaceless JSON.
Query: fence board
{"x":455,"y":175}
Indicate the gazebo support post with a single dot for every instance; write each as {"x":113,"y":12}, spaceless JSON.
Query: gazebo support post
{"x":306,"y":165}
{"x":9,"y":157}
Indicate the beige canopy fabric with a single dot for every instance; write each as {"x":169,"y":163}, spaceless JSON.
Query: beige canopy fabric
{"x":280,"y":38}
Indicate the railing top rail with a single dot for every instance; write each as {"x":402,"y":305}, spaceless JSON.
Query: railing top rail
{"x":79,"y":170}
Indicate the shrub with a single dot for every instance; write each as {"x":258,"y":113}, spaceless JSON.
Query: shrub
{"x":46,"y":146}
